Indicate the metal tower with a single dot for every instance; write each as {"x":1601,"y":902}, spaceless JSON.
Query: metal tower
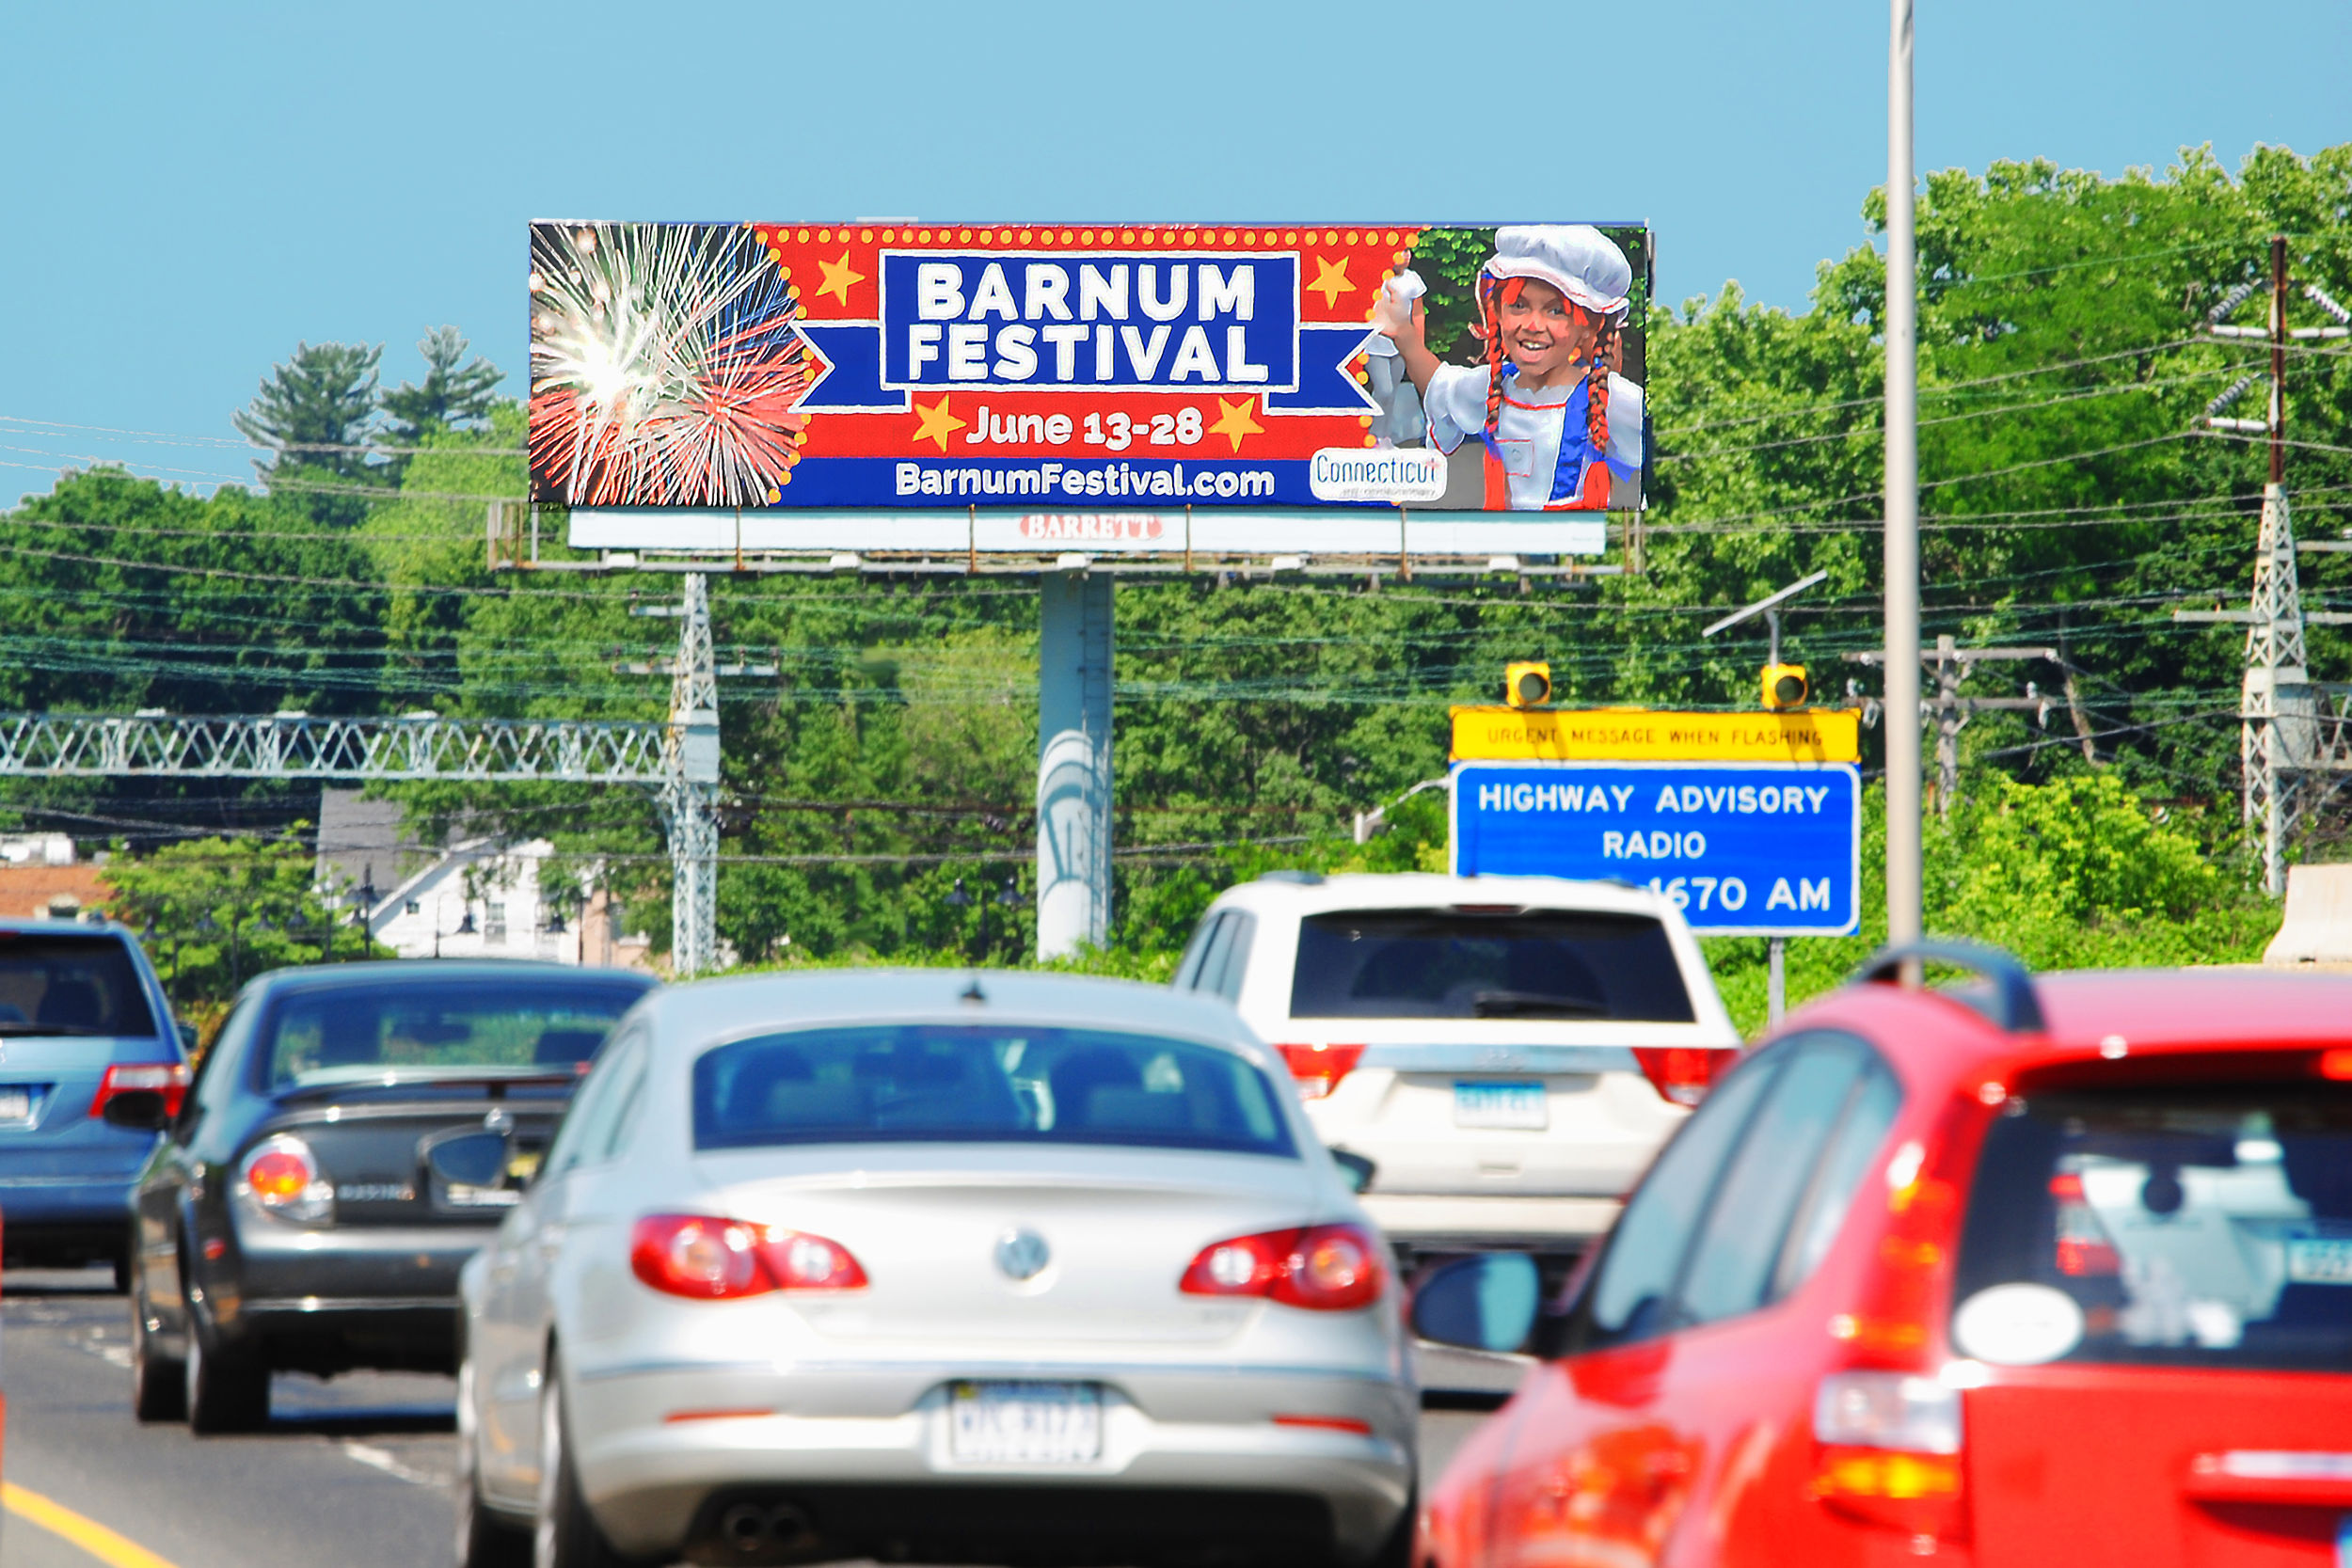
{"x":690,"y":787}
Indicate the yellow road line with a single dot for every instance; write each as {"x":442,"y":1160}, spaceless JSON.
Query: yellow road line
{"x":92,"y":1537}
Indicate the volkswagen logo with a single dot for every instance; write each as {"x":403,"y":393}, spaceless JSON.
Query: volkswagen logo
{"x":1023,"y":1254}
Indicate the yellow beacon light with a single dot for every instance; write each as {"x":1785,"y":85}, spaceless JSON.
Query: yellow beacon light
{"x":1527,"y":684}
{"x":1785,"y":687}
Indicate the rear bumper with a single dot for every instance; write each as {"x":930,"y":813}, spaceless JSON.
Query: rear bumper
{"x":64,"y":1218}
{"x":1435,"y":1221}
{"x":811,"y":1440}
{"x":329,"y":1300}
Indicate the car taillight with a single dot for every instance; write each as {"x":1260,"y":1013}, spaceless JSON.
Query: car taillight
{"x":168,"y":1079}
{"x":716,"y":1260}
{"x":1682,"y":1074}
{"x":1889,"y":1451}
{"x":280,"y":1177}
{"x":1318,"y":1068}
{"x":1324,"y":1268}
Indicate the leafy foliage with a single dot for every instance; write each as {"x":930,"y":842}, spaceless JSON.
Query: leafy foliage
{"x":453,"y":396}
{"x":219,"y":911}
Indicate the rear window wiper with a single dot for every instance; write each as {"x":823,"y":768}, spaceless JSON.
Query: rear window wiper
{"x":1533,"y":1004}
{"x":15,"y":1028}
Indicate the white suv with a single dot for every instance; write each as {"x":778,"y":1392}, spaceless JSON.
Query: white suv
{"x":1508,"y":1052}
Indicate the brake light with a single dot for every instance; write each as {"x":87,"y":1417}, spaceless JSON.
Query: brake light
{"x":281,"y":1178}
{"x":1324,"y":1268}
{"x":1682,"y":1073}
{"x":1318,"y":1068}
{"x":168,"y":1079}
{"x":2336,"y":1063}
{"x":717,"y":1260}
{"x":1889,"y":1451}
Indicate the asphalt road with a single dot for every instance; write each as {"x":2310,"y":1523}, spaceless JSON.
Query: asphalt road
{"x":353,"y":1472}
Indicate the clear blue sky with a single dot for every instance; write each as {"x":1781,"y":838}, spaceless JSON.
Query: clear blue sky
{"x":189,"y":190}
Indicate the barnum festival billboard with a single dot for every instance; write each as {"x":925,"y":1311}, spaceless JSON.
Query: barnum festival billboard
{"x":1087,"y":382}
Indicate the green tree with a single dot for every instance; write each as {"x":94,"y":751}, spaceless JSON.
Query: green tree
{"x":453,"y":396}
{"x":314,"y":413}
{"x":217,"y":912}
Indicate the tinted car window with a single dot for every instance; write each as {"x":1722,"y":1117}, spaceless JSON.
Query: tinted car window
{"x":1228,"y":959}
{"x":1645,"y":1251}
{"x":980,"y":1085}
{"x":2198,"y":1225}
{"x":1442,"y":963}
{"x":70,"y":985}
{"x":347,"y":1033}
{"x":1869,"y":1115}
{"x":1730,"y":1270}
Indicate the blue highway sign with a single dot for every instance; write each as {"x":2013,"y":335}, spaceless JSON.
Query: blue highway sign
{"x":1746,"y":848}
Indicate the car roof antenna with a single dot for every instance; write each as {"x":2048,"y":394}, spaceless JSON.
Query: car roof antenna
{"x":972,"y":991}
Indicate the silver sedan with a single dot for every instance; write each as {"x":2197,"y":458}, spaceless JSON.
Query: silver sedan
{"x":936,"y":1266}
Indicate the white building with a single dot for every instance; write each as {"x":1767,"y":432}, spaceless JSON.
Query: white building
{"x":482,"y":899}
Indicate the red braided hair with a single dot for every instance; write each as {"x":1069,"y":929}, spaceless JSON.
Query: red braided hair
{"x":1491,"y":294}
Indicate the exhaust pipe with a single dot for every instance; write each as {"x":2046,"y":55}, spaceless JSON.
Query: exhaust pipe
{"x":744,"y":1528}
{"x":750,"y":1532}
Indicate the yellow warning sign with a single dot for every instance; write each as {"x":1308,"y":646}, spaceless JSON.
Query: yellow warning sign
{"x":1633,"y":735}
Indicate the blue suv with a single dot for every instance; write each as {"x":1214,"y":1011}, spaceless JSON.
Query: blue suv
{"x":84,"y":1022}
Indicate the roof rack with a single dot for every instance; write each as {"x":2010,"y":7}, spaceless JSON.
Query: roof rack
{"x":1302,"y":879}
{"x":2013,"y":1005}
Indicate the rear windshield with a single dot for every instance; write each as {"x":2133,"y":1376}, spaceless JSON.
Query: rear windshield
{"x":964,"y":1084}
{"x":2210,"y":1227}
{"x":68,"y":985}
{"x":352,"y":1033}
{"x":1443,"y":963}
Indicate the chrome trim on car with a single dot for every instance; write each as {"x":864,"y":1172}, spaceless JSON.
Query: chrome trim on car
{"x":1501,"y":1058}
{"x":305,"y":1305}
{"x":1013,"y":1370}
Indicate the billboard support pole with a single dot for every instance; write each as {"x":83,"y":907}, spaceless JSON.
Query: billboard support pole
{"x":1904,"y":871}
{"x":690,"y":788}
{"x":1073,"y":763}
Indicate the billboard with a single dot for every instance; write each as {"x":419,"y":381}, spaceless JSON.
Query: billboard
{"x":1086,"y":383}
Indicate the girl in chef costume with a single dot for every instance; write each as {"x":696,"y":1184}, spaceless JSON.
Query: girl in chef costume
{"x":1556,"y":423}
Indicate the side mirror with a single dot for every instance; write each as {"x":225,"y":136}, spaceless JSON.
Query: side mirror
{"x":1486,"y":1302}
{"x":1360,"y":1170}
{"x":187,"y":1036}
{"x":140,"y":1110}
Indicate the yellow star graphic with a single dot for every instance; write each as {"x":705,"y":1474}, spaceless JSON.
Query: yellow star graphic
{"x":938,"y":424}
{"x":1233,"y":419}
{"x":1331,"y":282}
{"x":839,"y":278}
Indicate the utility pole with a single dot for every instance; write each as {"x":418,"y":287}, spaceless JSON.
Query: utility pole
{"x":1904,"y":871}
{"x":2278,"y":705}
{"x":1951,"y":711}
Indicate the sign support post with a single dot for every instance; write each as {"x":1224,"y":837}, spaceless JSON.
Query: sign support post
{"x":1074,"y":761}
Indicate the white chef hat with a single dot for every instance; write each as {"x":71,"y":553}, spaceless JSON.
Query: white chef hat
{"x":1574,"y":258}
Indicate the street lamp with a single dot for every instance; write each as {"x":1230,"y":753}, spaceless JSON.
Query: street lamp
{"x":1776,"y":948}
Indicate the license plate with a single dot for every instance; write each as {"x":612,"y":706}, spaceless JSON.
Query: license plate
{"x":1512,"y":1105}
{"x":2319,"y":1261}
{"x":16,"y":1105}
{"x":1025,"y":1423}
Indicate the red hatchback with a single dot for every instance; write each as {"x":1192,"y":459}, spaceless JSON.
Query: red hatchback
{"x":2051,"y":1271}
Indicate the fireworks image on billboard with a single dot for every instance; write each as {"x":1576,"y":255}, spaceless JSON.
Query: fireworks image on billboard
{"x":882,"y":365}
{"x":664,"y":366}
